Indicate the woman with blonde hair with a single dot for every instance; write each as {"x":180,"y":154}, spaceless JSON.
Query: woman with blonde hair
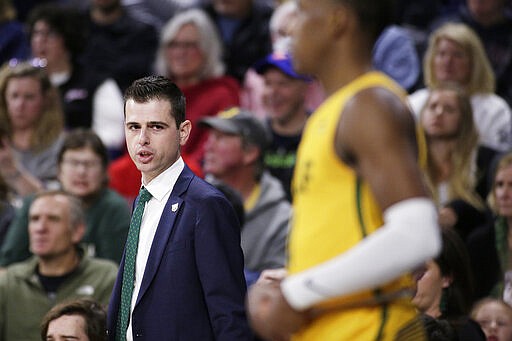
{"x":456,"y":165}
{"x":32,"y":122}
{"x":455,"y":54}
{"x":190,"y":54}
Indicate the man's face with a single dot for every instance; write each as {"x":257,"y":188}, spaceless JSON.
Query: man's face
{"x":283,"y":96}
{"x":152,"y":139}
{"x":309,"y":38}
{"x":81,"y":172}
{"x":50,"y":232}
{"x":486,"y":8}
{"x":67,"y":327}
{"x":223,"y":154}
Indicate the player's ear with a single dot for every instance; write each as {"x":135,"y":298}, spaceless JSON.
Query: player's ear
{"x":339,"y":19}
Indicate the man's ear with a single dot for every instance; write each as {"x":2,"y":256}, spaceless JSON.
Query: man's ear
{"x":251,"y":154}
{"x":339,"y":19}
{"x":184,"y":131}
{"x":78,"y":233}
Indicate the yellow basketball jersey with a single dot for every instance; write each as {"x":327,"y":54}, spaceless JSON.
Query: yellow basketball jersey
{"x":333,"y":211}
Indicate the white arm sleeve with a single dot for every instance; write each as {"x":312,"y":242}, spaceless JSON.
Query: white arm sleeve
{"x":108,"y":116}
{"x":410,"y":236}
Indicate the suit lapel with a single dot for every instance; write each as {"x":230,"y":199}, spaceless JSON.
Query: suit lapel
{"x":165,"y":226}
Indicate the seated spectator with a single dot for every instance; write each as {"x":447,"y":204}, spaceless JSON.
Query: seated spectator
{"x":118,"y":46}
{"x":234,"y":155}
{"x":60,"y":270}
{"x":13,"y":39}
{"x":494,"y":317}
{"x":445,"y":288}
{"x":281,"y":23}
{"x":455,"y":163}
{"x":284,"y":99}
{"x":492,"y":21}
{"x":89,"y":99}
{"x":243,"y":26}
{"x":455,"y":54}
{"x":488,"y":246}
{"x":82,"y":164}
{"x":190,"y":55}
{"x":82,"y":320}
{"x":32,"y":120}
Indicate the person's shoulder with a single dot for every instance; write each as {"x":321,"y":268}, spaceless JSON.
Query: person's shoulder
{"x":100,"y":265}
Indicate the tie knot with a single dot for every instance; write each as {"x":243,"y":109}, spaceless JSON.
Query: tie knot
{"x":144,"y":195}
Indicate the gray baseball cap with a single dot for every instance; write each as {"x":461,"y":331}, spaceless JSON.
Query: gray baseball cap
{"x":240,"y":122}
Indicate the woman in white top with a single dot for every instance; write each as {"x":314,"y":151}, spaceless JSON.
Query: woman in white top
{"x":455,"y":54}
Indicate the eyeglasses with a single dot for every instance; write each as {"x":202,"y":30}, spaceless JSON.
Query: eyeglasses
{"x":87,"y":164}
{"x":35,"y":62}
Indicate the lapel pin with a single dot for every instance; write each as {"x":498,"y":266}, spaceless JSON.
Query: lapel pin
{"x":174,"y":207}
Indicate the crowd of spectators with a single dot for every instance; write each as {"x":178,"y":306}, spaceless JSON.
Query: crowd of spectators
{"x":65,"y":64}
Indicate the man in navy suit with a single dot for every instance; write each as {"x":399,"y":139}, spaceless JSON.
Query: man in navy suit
{"x":189,"y":282}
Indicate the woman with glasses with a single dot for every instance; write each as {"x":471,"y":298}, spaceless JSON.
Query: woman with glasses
{"x":82,"y":165}
{"x":190,"y":54}
{"x":31,"y":128}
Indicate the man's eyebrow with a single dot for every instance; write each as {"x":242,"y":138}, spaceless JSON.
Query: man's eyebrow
{"x":157,"y":123}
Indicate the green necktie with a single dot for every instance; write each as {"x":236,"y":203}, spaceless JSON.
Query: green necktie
{"x":129,"y":265}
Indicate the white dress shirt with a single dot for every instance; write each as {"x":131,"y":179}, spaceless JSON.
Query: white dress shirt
{"x":160,"y":189}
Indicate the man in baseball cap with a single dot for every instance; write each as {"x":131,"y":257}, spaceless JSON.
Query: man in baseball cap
{"x":233,"y":155}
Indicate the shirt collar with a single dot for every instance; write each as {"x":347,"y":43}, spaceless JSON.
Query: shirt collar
{"x":160,"y":186}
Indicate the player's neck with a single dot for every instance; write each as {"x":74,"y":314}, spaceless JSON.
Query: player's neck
{"x":343,"y":75}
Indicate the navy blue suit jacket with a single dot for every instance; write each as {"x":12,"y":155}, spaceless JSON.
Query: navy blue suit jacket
{"x":193,"y":286}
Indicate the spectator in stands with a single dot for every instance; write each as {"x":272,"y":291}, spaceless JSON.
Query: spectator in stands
{"x":60,"y":270}
{"x":492,"y":22}
{"x":456,"y":166}
{"x":281,"y":23}
{"x":489,"y":246}
{"x":89,"y":99}
{"x":284,"y":99}
{"x":82,"y":164}
{"x":234,"y":155}
{"x":445,"y":288}
{"x":118,"y":45}
{"x":13,"y":39}
{"x":243,"y":26}
{"x":494,"y":317}
{"x":82,"y":319}
{"x":455,"y":54}
{"x":32,"y":120}
{"x":190,"y":54}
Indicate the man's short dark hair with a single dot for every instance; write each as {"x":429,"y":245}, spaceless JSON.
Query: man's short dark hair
{"x":149,"y":88}
{"x":92,"y":312}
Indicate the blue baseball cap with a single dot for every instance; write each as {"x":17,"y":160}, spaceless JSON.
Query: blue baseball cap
{"x":281,"y":61}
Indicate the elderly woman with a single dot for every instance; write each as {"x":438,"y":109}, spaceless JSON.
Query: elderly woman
{"x":31,"y":128}
{"x":82,"y":165}
{"x":190,"y":54}
{"x":455,"y":54}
